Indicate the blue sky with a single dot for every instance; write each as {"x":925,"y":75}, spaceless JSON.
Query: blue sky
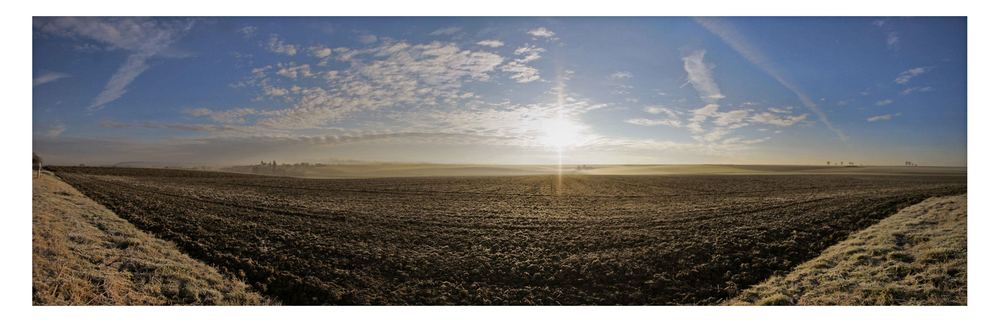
{"x":501,"y":90}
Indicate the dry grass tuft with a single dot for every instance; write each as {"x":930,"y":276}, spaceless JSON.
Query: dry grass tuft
{"x":83,"y":254}
{"x":915,"y":257}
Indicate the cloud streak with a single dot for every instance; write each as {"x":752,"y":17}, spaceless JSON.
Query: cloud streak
{"x":909,"y":74}
{"x":55,"y":130}
{"x":700,"y":76}
{"x":736,"y":41}
{"x":143,"y":38}
{"x":447,"y":31}
{"x":47,"y":78}
{"x":884,"y":117}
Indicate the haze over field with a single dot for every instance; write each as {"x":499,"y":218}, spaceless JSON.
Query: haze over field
{"x":228,"y":91}
{"x":368,"y":170}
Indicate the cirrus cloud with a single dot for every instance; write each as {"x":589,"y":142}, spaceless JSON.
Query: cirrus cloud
{"x":142,"y":38}
{"x":883,"y":117}
{"x":700,"y":77}
{"x":47,"y":77}
{"x":905,"y":76}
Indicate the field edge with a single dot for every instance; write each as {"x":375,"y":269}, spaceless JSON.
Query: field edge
{"x":85,"y":254}
{"x":917,"y":256}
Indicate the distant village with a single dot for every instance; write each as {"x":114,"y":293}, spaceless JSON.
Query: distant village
{"x":273,"y":168}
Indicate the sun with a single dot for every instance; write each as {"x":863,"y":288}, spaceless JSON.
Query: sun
{"x":560,"y":134}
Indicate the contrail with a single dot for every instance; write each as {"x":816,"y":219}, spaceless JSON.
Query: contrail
{"x":732,"y":38}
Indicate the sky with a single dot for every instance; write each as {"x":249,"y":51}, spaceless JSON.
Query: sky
{"x":517,"y":90}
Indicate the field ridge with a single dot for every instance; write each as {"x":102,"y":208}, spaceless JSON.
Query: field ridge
{"x":84,"y":254}
{"x":914,"y":257}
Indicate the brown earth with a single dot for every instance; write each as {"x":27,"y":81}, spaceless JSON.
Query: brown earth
{"x":685,"y":239}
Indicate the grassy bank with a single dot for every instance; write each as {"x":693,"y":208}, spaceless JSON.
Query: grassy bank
{"x":915,"y":257}
{"x":83,"y":254}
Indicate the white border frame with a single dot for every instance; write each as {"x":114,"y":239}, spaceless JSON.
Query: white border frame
{"x":16,"y":236}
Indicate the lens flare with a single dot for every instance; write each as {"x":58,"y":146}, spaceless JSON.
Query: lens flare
{"x":561,"y":134}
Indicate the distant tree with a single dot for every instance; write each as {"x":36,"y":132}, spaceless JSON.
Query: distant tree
{"x":827,"y":162}
{"x":36,"y":162}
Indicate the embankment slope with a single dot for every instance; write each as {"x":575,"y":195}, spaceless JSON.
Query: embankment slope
{"x":83,"y":254}
{"x":914,"y":257}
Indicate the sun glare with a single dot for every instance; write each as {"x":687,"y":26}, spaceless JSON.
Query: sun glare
{"x":560,"y":134}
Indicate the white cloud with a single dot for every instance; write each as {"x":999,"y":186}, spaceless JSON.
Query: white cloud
{"x":294,"y":71}
{"x":520,"y":72}
{"x":731,"y":118}
{"x":661,"y":110}
{"x":274,"y":91}
{"x":490,"y":43}
{"x":247,"y":31}
{"x":883,"y":102}
{"x":892,"y":40}
{"x":127,"y":33}
{"x":276,"y":45}
{"x":368,"y":39}
{"x":780,"y":110}
{"x":715,"y":134}
{"x":393,"y":74}
{"x":700,"y":76}
{"x":700,"y":115}
{"x":48,"y":78}
{"x":541,"y":32}
{"x":884,"y":117}
{"x":231,"y":116}
{"x":320,"y":51}
{"x":55,"y":130}
{"x":891,"y":36}
{"x":909,"y":74}
{"x":723,"y":124}
{"x":529,"y":53}
{"x":911,"y":90}
{"x":673,"y":118}
{"x":777,"y":120}
{"x":213,"y":128}
{"x":652,"y":122}
{"x":134,"y":65}
{"x":143,"y":38}
{"x":621,"y":75}
{"x":446,"y":31}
